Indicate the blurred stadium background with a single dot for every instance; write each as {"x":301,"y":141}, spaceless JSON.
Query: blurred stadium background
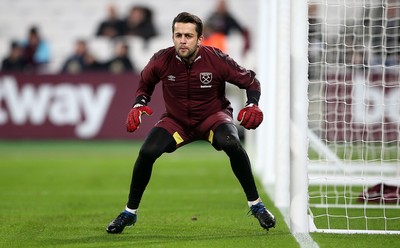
{"x":62,"y":23}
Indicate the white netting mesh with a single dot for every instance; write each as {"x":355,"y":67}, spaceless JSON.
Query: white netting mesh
{"x":354,"y":114}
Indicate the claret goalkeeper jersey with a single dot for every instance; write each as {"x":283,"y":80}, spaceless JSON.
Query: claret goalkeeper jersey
{"x":194,"y":92}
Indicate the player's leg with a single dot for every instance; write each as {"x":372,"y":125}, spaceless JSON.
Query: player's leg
{"x":157,"y":142}
{"x":226,"y":138}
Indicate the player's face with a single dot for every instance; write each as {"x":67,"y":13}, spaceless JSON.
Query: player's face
{"x":186,"y":40}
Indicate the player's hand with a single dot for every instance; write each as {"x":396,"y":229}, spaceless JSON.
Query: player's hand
{"x":250,"y":117}
{"x":135,"y":116}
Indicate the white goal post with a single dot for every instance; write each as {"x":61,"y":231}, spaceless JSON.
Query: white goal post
{"x":328,"y":152}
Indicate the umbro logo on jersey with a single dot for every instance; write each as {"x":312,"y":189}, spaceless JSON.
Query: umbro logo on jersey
{"x":171,"y":78}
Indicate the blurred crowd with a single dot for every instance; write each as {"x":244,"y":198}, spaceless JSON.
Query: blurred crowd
{"x":368,"y":41}
{"x":33,"y":54}
{"x":27,"y":55}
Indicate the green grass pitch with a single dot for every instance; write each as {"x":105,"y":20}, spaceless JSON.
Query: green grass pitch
{"x":63,"y":194}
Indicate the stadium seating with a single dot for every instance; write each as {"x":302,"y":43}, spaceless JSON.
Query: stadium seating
{"x":62,"y":22}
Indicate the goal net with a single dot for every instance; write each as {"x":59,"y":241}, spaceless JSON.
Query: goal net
{"x":354,"y":116}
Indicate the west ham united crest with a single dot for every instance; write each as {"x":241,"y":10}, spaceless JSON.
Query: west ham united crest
{"x":205,"y":79}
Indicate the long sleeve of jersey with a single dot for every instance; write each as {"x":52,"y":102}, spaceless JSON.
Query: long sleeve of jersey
{"x":193,"y":92}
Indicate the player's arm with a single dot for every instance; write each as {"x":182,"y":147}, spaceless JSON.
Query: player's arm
{"x":147,"y":83}
{"x":250,"y":117}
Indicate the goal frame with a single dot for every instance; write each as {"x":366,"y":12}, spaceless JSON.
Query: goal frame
{"x":279,"y":147}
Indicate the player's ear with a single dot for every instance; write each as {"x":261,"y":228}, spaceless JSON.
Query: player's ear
{"x":200,"y":40}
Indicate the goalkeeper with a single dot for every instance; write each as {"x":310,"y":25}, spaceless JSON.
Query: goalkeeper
{"x":193,"y":79}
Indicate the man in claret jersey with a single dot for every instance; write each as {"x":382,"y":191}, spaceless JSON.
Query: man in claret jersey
{"x":193,"y":79}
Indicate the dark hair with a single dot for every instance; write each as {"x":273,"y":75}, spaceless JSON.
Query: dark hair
{"x":14,"y":44}
{"x":186,"y":17}
{"x":33,"y":30}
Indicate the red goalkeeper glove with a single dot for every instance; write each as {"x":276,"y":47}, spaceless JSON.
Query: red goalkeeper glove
{"x":135,"y":116}
{"x":250,"y":117}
